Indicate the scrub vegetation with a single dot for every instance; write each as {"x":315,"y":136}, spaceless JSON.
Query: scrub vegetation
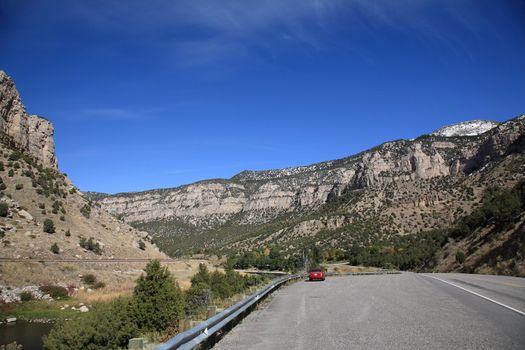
{"x":154,"y":310}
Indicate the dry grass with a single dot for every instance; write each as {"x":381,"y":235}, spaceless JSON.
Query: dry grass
{"x":343,"y":267}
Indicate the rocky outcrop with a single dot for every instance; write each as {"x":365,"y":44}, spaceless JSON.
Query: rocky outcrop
{"x":273,"y":192}
{"x":30,"y":133}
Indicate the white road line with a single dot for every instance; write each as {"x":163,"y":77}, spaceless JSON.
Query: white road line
{"x":478,"y":295}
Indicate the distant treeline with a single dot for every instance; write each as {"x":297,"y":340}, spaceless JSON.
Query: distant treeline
{"x":274,"y":259}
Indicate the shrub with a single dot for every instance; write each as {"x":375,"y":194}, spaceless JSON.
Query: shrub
{"x":157,"y":293}
{"x":55,"y":292}
{"x":142,"y":245}
{"x":4,"y":209}
{"x":16,"y":155}
{"x":11,"y":173}
{"x":62,"y":218}
{"x":106,"y":326}
{"x":55,"y":249}
{"x":86,"y":211}
{"x":19,"y":187}
{"x":1,"y":166}
{"x":49,"y":226}
{"x":197,"y":298}
{"x":460,"y":257}
{"x":25,"y":296}
{"x":2,"y":186}
{"x":89,"y":279}
{"x":90,"y":245}
{"x":68,"y":233}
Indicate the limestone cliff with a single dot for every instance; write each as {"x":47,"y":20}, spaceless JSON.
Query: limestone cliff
{"x":424,"y":173}
{"x":30,"y":133}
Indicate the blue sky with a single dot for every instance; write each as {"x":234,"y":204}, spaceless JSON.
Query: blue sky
{"x":150,"y":94}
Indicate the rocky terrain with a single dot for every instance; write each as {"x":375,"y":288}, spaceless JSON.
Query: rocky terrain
{"x":398,"y":188}
{"x":44,"y":216}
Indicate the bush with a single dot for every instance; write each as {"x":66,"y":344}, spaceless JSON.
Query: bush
{"x":86,"y":211}
{"x":142,"y":245}
{"x":25,"y":296}
{"x":55,"y":249}
{"x":68,"y":233}
{"x":49,"y":226}
{"x":19,"y":187}
{"x":90,"y":245}
{"x":4,"y":209}
{"x":55,"y":292}
{"x":89,"y":279}
{"x":157,"y":293}
{"x":198,"y":297}
{"x":11,"y":173}
{"x":2,"y":186}
{"x":106,"y":326}
{"x":460,"y":257}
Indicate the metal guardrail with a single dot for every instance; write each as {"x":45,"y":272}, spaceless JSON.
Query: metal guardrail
{"x":204,"y":330}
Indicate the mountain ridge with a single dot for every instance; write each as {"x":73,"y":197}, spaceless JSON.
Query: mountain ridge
{"x":222,"y":215}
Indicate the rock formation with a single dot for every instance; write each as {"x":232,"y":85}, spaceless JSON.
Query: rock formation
{"x":293,"y":188}
{"x":30,"y":133}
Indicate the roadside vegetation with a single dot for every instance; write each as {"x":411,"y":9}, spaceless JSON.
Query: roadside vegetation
{"x":274,"y":259}
{"x":154,"y":310}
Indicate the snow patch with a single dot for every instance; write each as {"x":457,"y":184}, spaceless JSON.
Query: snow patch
{"x":470,"y":128}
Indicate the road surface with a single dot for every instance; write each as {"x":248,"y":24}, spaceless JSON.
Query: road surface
{"x":405,"y":311}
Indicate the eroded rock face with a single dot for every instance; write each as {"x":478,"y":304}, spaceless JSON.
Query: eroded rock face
{"x":31,"y":133}
{"x":263,"y":194}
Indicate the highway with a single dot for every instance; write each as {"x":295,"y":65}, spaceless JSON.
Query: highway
{"x":405,"y":311}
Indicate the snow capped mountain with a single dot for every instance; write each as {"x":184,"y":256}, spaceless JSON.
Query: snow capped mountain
{"x":469,"y":128}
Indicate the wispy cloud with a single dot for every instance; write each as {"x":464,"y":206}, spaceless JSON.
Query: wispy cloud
{"x":111,"y":114}
{"x":206,"y":31}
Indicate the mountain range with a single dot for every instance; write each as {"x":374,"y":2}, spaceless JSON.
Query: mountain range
{"x":397,"y":189}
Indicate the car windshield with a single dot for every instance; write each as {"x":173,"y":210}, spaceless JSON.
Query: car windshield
{"x":316,"y":270}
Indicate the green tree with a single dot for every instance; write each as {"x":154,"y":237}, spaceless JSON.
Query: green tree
{"x":460,"y":257}
{"x":157,"y":299}
{"x":49,"y":226}
{"x":4,"y":209}
{"x":202,"y":276}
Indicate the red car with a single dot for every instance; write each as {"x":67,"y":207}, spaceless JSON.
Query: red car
{"x":316,"y":274}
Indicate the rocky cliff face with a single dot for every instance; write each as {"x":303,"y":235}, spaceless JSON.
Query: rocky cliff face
{"x":260,"y":198}
{"x":293,"y":188}
{"x":30,"y":133}
{"x":33,"y":191}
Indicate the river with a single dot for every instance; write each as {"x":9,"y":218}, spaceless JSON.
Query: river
{"x":27,"y":334}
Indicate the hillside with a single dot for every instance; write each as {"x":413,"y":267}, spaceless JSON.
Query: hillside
{"x":396,"y":189}
{"x":33,"y":191}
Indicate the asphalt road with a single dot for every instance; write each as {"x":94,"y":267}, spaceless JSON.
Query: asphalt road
{"x":406,"y":311}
